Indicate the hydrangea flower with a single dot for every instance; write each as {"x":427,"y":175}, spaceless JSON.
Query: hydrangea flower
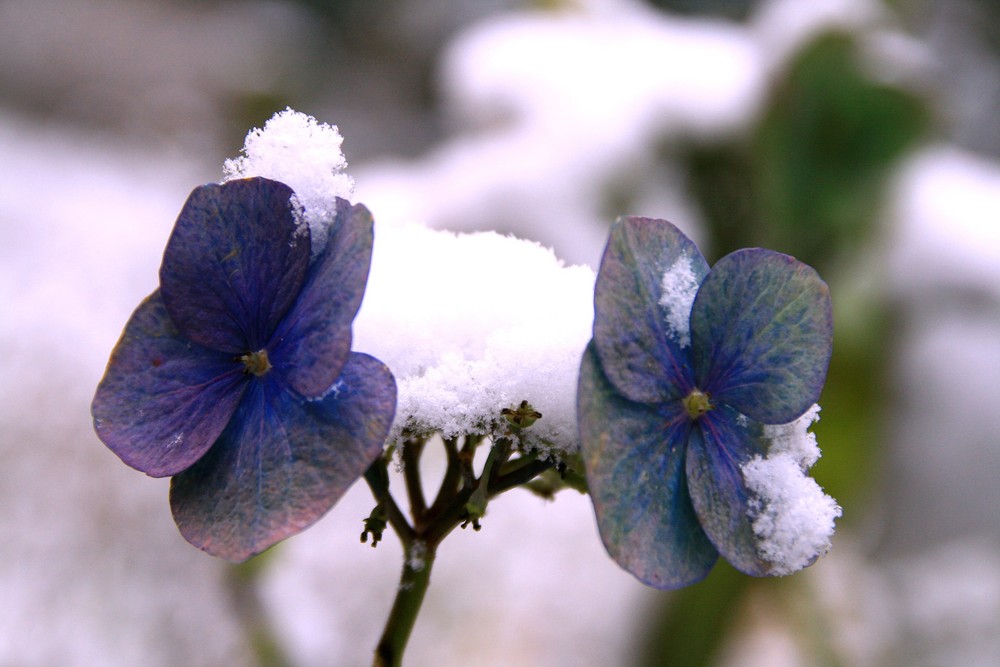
{"x":694,"y":399}
{"x":236,"y":377}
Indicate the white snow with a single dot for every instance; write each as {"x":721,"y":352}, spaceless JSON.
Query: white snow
{"x":795,"y":439}
{"x":792,"y":517}
{"x":418,"y":552}
{"x":944,"y":227}
{"x":305,"y":155}
{"x":680,"y":286}
{"x":473,"y":323}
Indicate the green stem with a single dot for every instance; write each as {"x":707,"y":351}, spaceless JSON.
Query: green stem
{"x":416,"y":577}
{"x":378,"y":480}
{"x":449,"y":484}
{"x":450,"y":508}
{"x":516,"y":464}
{"x":244,"y":594}
{"x":520,"y":475}
{"x":499,"y":452}
{"x":413,"y":448}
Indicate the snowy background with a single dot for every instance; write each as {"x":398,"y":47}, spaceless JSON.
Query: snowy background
{"x":545,"y":120}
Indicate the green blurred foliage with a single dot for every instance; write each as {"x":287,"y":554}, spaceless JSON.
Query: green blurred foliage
{"x":687,"y":627}
{"x":242,"y":582}
{"x":824,"y":150}
{"x":809,"y":180}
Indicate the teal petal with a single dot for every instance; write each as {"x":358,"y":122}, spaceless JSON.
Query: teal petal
{"x":762,"y":335}
{"x":720,"y":443}
{"x":641,"y":341}
{"x":284,"y":461}
{"x":634,"y":459}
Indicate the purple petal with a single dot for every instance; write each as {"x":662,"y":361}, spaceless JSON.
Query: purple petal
{"x":720,"y":443}
{"x":639,"y":339}
{"x":164,"y":400}
{"x":314,"y":339}
{"x":762,"y":331}
{"x":234,"y":264}
{"x":634,"y":457}
{"x":284,"y":461}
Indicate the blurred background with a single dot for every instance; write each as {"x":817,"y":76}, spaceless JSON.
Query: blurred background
{"x":859,"y":135}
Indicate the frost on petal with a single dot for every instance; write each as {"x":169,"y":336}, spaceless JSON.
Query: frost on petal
{"x":633,"y":327}
{"x":792,"y":517}
{"x":296,"y":149}
{"x":680,"y":285}
{"x":795,"y":438}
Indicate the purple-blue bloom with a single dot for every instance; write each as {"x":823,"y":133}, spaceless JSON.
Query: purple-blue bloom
{"x":236,"y":376}
{"x":686,"y":367}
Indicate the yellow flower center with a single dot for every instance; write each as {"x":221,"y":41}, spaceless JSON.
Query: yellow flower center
{"x":256,"y":362}
{"x":697,"y":403}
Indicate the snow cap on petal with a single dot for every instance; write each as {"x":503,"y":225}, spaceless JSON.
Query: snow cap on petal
{"x":640,"y":336}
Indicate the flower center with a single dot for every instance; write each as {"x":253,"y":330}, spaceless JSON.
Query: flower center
{"x":256,"y":362}
{"x":697,"y":403}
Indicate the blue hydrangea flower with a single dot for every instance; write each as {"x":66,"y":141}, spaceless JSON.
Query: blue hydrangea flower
{"x":236,"y":378}
{"x":686,"y":369}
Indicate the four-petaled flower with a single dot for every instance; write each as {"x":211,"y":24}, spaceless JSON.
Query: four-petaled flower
{"x":686,"y":370}
{"x":236,"y":377}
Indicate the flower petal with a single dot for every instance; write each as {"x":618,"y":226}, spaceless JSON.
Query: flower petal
{"x":163,"y":400}
{"x":720,"y":443}
{"x":284,"y":461}
{"x":316,"y":334}
{"x":640,"y":335}
{"x":234,"y":263}
{"x":762,"y":332}
{"x":634,"y":457}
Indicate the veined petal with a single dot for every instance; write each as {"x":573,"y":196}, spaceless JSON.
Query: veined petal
{"x":634,"y":459}
{"x":640,"y":336}
{"x":284,"y":461}
{"x":234,"y":263}
{"x":762,"y":332}
{"x":720,"y":443}
{"x":164,"y":400}
{"x":314,"y":339}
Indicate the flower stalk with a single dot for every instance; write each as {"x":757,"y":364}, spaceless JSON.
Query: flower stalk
{"x":418,"y":559}
{"x":461,"y":501}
